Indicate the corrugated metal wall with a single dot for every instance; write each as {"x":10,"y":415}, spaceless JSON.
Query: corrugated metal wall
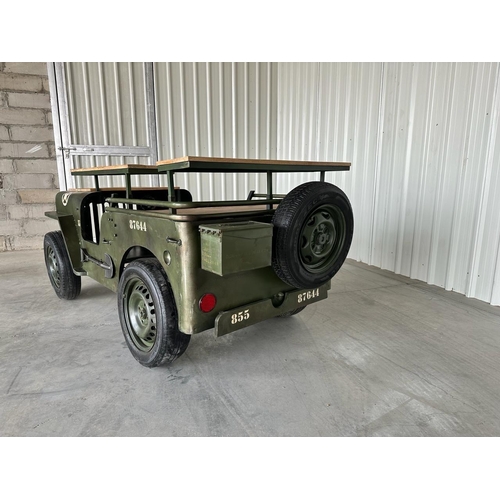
{"x":330,"y":112}
{"x":204,"y":109}
{"x":423,"y":139}
{"x":217,"y":109}
{"x":107,"y":103}
{"x":106,"y":106}
{"x":424,"y":142}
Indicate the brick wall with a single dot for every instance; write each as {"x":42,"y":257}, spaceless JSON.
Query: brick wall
{"x":28,"y":170}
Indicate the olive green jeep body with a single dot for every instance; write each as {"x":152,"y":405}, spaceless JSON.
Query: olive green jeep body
{"x":182,"y":267}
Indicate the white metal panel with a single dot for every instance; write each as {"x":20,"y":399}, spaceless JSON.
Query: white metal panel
{"x":297,"y":140}
{"x":423,"y":140}
{"x":330,"y":112}
{"x":207,"y":109}
{"x":485,"y":280}
{"x":107,"y":104}
{"x":217,"y":109}
{"x":466,"y":241}
{"x":105,"y":117}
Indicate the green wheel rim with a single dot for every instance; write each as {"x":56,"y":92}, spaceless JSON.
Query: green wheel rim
{"x":140,"y":314}
{"x":322,"y":238}
{"x":53,"y":267}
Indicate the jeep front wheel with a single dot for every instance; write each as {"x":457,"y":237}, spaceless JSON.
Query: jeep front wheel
{"x":65,"y":283}
{"x":148,"y":315}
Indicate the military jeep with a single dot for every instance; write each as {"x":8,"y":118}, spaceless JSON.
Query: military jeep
{"x":181,"y":267}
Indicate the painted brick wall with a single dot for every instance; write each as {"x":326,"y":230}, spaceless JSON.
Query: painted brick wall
{"x":28,"y":170}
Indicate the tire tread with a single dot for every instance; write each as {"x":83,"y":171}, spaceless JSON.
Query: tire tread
{"x":70,"y":283}
{"x":174,"y":342}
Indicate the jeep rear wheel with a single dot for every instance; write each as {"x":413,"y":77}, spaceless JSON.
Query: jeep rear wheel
{"x":313,"y":228}
{"x":65,"y":283}
{"x":148,"y":314}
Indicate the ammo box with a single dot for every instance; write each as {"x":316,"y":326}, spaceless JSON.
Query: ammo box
{"x":235,"y":247}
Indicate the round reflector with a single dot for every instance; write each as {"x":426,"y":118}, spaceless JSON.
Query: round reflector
{"x":207,"y":302}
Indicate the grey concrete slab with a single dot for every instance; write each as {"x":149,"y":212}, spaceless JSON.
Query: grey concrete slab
{"x":384,"y":355}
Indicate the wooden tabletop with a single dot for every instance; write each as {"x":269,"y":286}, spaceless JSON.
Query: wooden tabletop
{"x":211,"y":164}
{"x":129,"y":168}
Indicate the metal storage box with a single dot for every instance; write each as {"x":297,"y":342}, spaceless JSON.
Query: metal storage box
{"x":235,"y":247}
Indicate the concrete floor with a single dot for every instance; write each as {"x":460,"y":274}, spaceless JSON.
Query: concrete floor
{"x":382,"y":356}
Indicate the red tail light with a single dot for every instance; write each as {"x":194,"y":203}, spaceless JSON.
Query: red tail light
{"x":207,"y":302}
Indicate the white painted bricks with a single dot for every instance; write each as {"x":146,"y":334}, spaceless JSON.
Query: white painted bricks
{"x":28,"y":170}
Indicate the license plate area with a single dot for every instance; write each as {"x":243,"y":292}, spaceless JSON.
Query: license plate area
{"x":250,"y":314}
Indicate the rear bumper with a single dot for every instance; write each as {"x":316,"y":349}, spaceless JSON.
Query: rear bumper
{"x":250,"y":314}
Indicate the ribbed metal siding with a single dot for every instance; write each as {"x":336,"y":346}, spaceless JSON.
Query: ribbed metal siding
{"x":423,"y":140}
{"x":107,"y":104}
{"x":330,"y":112}
{"x":206,"y":109}
{"x":217,"y":109}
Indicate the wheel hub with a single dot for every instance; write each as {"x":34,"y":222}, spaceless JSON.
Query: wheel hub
{"x":143,"y":315}
{"x":53,"y":267}
{"x":321,"y":238}
{"x":140,"y":314}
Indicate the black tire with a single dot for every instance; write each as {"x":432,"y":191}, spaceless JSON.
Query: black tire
{"x":292,"y":313}
{"x":148,"y":315}
{"x":65,"y":283}
{"x":313,"y":228}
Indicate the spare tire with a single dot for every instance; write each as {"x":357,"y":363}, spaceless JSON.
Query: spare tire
{"x":313,"y":228}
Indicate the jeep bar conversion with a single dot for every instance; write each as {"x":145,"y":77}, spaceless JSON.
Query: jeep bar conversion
{"x":181,"y":267}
